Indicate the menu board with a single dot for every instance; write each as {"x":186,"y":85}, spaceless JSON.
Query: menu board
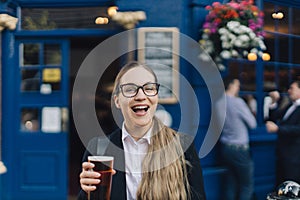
{"x":159,"y":49}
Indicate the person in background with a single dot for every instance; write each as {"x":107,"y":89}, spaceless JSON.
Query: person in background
{"x":156,"y":164}
{"x":286,"y":123}
{"x":234,"y":145}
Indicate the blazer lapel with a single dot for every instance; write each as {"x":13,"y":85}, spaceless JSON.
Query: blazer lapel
{"x":116,"y":150}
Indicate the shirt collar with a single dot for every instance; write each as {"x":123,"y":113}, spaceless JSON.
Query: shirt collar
{"x":146,"y":137}
{"x":297,"y":102}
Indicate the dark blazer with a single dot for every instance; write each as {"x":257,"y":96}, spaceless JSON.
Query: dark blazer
{"x":288,"y":142}
{"x":118,"y":191}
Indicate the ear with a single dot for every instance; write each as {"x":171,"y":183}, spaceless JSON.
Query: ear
{"x":116,"y":100}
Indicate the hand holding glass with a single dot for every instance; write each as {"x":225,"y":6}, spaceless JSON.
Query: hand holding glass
{"x":104,"y":166}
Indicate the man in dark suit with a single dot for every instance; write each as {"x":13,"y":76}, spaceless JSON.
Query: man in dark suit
{"x":286,"y":123}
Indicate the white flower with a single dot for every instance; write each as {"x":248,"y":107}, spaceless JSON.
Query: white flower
{"x":238,"y":43}
{"x":233,"y":24}
{"x":243,"y":38}
{"x":204,"y":57}
{"x":234,"y":53}
{"x":221,"y":66}
{"x":254,"y":50}
{"x":223,"y":31}
{"x":225,"y":54}
{"x":226,"y":45}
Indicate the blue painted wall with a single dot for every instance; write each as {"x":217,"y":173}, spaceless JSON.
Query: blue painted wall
{"x":188,"y":16}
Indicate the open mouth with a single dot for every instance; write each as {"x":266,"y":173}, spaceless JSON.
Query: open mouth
{"x":140,"y":108}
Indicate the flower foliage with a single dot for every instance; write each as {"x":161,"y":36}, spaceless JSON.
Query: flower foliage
{"x":232,"y":30}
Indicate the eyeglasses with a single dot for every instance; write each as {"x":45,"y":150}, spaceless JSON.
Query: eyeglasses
{"x":130,"y":89}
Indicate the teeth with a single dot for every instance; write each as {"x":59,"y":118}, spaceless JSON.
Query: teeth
{"x":140,"y":107}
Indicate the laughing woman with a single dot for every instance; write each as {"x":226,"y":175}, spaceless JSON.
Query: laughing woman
{"x":155,"y":162}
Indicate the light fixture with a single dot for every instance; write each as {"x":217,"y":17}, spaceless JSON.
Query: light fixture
{"x":101,"y":20}
{"x":266,"y":57}
{"x":277,"y":15}
{"x":112,"y":10}
{"x":127,"y":19}
{"x":252,"y":56}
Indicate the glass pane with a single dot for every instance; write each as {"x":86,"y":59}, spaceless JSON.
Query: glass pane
{"x":283,"y":50}
{"x":248,"y":77}
{"x":64,"y":18}
{"x":269,"y":24}
{"x":52,"y":79}
{"x":284,"y":79}
{"x":54,"y":119}
{"x":282,"y":25}
{"x":296,"y":21}
{"x":295,"y":73}
{"x":269,"y":41}
{"x":245,"y":72}
{"x":277,"y":78}
{"x":52,"y":54}
{"x":269,"y":79}
{"x":30,"y":80}
{"x":30,"y":119}
{"x":296,"y":45}
{"x":30,"y":54}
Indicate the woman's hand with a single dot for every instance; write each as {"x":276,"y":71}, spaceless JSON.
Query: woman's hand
{"x":89,"y":178}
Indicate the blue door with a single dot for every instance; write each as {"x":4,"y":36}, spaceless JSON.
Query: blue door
{"x":35,"y":126}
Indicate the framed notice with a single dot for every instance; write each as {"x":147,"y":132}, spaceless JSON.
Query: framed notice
{"x":159,"y":49}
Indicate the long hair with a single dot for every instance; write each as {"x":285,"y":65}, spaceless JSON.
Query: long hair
{"x":164,"y":166}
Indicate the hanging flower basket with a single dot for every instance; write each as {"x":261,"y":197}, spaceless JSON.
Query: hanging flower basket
{"x":232,"y":30}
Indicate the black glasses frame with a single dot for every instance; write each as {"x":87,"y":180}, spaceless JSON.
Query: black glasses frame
{"x":138,"y":87}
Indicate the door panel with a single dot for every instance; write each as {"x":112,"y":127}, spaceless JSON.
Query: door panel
{"x":38,"y":168}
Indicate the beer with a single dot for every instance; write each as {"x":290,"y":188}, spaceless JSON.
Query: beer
{"x":103,"y":165}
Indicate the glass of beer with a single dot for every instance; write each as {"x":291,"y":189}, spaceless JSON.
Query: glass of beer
{"x":103,"y":165}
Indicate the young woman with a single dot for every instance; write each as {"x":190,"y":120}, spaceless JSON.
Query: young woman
{"x":154,"y":161}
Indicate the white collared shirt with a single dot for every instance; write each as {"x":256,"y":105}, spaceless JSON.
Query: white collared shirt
{"x":135,"y":152}
{"x":291,"y":109}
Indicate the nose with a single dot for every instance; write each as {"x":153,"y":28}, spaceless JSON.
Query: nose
{"x":140,"y":93}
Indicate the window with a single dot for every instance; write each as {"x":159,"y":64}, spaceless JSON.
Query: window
{"x":282,"y":40}
{"x":40,"y":67}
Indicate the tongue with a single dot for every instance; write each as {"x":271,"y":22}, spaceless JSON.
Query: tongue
{"x":140,"y":112}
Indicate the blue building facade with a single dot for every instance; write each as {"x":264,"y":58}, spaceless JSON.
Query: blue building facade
{"x":41,"y":58}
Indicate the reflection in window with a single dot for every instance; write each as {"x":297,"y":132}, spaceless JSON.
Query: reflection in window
{"x":245,"y":72}
{"x":296,"y":45}
{"x":295,"y":21}
{"x":29,"y":54}
{"x":277,"y":78}
{"x":30,"y":80}
{"x":29,"y":119}
{"x":52,"y":54}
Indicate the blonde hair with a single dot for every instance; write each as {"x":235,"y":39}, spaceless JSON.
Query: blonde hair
{"x":164,"y":166}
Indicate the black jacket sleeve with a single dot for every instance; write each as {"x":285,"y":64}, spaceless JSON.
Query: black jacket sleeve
{"x":194,"y":169}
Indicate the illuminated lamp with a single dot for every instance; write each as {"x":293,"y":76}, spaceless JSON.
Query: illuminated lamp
{"x":112,"y":10}
{"x":252,"y":57}
{"x":266,"y":57}
{"x":101,"y":20}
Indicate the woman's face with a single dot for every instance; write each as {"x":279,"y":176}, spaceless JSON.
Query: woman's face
{"x":139,"y":110}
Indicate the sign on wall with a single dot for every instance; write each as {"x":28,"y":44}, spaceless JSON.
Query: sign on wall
{"x":159,"y":49}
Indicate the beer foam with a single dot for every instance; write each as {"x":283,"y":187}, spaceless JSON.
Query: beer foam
{"x":100,"y":158}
